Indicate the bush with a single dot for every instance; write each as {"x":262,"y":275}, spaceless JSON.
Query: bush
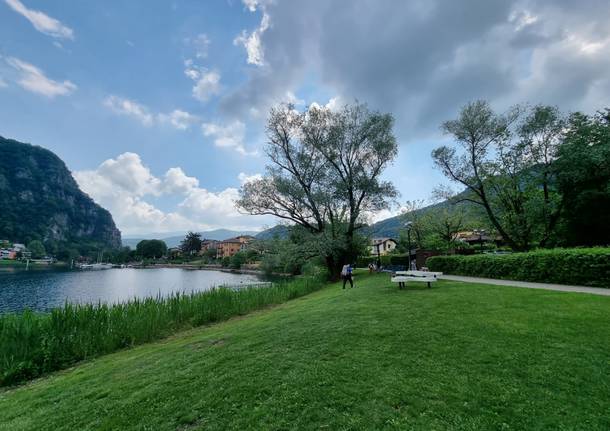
{"x":578,"y":266}
{"x":238,"y":259}
{"x":32,"y":344}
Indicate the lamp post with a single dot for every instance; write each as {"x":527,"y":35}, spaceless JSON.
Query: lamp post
{"x":408,"y":227}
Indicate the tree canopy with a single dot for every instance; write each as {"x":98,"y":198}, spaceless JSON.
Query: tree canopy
{"x":324,"y":174}
{"x":542,"y":177}
{"x":191,"y":243}
{"x":506,"y":162}
{"x":151,"y":248}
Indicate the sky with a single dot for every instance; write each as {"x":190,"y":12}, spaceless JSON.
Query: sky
{"x":159,"y":108}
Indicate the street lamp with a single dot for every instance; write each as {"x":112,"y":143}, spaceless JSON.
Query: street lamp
{"x":408,"y":226}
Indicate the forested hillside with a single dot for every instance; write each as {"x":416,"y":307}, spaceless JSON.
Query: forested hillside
{"x":40,"y":200}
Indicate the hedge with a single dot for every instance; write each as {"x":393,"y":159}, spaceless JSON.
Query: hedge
{"x":577,"y":266}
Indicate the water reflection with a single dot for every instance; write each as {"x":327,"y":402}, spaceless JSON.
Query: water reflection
{"x":42,"y":290}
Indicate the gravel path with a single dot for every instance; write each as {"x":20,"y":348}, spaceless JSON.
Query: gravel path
{"x":529,"y":285}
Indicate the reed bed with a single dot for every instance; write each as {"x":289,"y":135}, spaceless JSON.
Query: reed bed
{"x":32,"y":344}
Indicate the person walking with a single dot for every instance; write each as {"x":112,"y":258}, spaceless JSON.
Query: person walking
{"x":346,"y":275}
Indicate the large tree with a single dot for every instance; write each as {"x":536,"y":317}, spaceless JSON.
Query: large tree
{"x":325,"y":174}
{"x":505,"y":162}
{"x":191,"y":243}
{"x":151,"y":248}
{"x":583,"y":170}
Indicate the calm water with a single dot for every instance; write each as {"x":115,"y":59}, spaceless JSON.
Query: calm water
{"x":42,"y":290}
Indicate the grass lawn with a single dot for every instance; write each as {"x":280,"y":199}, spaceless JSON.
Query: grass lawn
{"x":456,"y":356}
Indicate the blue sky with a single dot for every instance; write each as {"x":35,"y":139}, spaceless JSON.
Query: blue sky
{"x":159,"y":108}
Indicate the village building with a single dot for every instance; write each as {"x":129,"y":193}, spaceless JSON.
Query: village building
{"x":6,"y":253}
{"x":229,"y":247}
{"x":477,"y":236}
{"x":208,"y":244}
{"x":19,"y":247}
{"x":382,"y":246}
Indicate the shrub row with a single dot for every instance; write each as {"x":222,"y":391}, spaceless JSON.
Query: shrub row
{"x":578,"y":266}
{"x":32,"y":344}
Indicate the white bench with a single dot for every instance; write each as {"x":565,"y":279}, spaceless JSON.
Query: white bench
{"x":402,"y":277}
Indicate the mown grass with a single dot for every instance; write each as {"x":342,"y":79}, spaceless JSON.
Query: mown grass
{"x":32,"y":344}
{"x":456,"y":356}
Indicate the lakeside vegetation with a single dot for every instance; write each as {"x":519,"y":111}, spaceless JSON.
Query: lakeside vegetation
{"x":456,"y":356}
{"x":32,"y":344}
{"x":578,"y":266}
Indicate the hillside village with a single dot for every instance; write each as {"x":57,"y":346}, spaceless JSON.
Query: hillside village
{"x":12,"y":251}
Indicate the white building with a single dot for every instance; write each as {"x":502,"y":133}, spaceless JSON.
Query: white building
{"x":19,"y":247}
{"x":381,"y":246}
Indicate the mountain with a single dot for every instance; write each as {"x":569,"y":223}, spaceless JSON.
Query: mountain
{"x":389,"y":227}
{"x":174,"y":240}
{"x":278,"y":231}
{"x":40,"y":200}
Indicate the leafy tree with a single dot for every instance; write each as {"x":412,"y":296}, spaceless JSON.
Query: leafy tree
{"x":506,"y":165}
{"x":412,"y":213}
{"x":541,"y":133}
{"x":67,"y":254}
{"x":443,"y":226}
{"x":238,"y":259}
{"x":123,"y":255}
{"x":191,"y":244}
{"x":583,"y":170}
{"x":324,"y":175}
{"x":37,"y":249}
{"x":151,"y":248}
{"x":210,"y":253}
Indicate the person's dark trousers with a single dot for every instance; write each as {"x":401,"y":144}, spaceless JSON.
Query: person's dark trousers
{"x":348,"y":278}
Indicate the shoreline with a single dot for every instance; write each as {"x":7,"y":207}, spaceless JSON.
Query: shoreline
{"x":211,"y":268}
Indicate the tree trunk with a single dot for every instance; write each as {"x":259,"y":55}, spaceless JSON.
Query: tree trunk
{"x":334,"y":268}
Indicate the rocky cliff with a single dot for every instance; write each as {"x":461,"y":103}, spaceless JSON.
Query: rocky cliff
{"x":39,"y":199}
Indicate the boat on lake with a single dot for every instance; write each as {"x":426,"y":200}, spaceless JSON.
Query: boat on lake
{"x":94,"y":266}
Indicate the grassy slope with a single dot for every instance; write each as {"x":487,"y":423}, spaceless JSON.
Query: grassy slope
{"x":455,"y":356}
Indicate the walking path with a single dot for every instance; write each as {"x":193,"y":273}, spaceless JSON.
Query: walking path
{"x":529,"y":285}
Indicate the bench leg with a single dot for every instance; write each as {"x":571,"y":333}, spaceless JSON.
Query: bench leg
{"x":429,"y":285}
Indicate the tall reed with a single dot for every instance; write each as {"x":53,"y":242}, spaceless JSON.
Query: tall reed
{"x":32,"y":344}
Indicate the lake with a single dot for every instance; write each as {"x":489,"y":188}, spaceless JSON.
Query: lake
{"x":41,"y":290}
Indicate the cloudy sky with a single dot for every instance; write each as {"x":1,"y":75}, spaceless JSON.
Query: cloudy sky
{"x":159,"y":108}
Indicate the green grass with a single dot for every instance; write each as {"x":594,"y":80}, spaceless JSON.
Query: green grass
{"x":10,"y":262}
{"x":456,"y":356}
{"x":32,"y":344}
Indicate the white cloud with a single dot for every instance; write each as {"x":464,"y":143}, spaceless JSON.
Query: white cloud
{"x":41,"y":21}
{"x":522,"y":19}
{"x":130,"y":108}
{"x":252,"y":5}
{"x":252,"y":41}
{"x":292,"y":98}
{"x":128,"y":173}
{"x":124,"y":184}
{"x":178,"y":119}
{"x":245,"y":178}
{"x":227,"y":136}
{"x":333,"y":104}
{"x":34,"y":80}
{"x":201,"y":44}
{"x":207,"y":83}
{"x":176,"y":181}
{"x":181,"y":120}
